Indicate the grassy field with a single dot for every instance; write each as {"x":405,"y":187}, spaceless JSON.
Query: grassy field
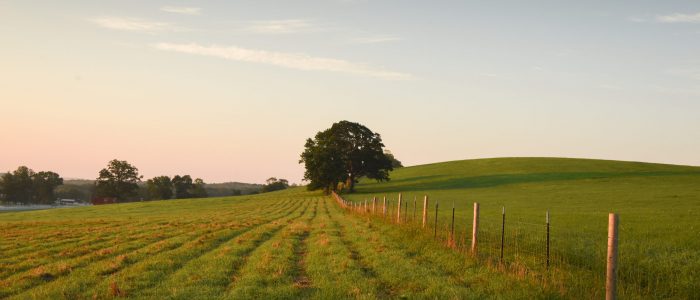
{"x":298,"y":244}
{"x":293,"y":244}
{"x":659,"y":208}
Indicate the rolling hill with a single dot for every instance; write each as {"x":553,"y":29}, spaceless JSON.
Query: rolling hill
{"x":658,"y":204}
{"x":299,"y":244}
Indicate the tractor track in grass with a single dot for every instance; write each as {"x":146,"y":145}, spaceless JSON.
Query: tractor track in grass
{"x":300,"y":250}
{"x":71,"y":255}
{"x":118,"y":229}
{"x":272,"y":234}
{"x":286,"y":210}
{"x":383,"y":289}
{"x":32,"y":283}
{"x":55,"y":229}
{"x":130,"y":252}
{"x":386,"y":237}
{"x":90,"y":254}
{"x":29,"y":245}
{"x":240,"y":274}
{"x":259,"y":240}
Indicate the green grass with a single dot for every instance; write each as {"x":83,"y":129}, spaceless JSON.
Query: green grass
{"x":298,"y":244}
{"x":659,"y":208}
{"x":291,"y":244}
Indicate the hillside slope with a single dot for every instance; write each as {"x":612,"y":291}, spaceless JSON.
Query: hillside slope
{"x":659,"y":208}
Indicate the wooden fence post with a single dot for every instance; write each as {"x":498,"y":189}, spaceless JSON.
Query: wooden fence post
{"x":374,"y":204}
{"x":384,"y":208}
{"x":610,"y":284}
{"x":425,"y":210}
{"x":475,"y":228}
{"x":398,"y":210}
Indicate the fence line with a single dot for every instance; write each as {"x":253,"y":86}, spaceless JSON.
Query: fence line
{"x":526,"y":246}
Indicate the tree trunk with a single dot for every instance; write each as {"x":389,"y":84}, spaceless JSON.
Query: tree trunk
{"x":352,"y":183}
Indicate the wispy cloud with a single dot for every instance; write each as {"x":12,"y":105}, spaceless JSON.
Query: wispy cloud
{"x":281,"y":26}
{"x":182,"y":10}
{"x":679,"y":18}
{"x":282,"y":59}
{"x":375,"y":39}
{"x":131,"y":24}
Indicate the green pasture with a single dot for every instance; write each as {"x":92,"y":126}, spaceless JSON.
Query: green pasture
{"x":658,"y":205}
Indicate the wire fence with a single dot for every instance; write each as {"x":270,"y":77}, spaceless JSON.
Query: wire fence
{"x":525,"y":245}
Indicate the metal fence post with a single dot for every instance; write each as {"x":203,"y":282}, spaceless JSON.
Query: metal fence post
{"x":547,"y":219}
{"x":503,"y":231}
{"x":452,"y":225}
{"x":475,"y":228}
{"x":436,"y":216}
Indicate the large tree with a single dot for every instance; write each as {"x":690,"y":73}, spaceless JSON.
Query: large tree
{"x":160,"y":187}
{"x":345,"y":152}
{"x":119,"y":180}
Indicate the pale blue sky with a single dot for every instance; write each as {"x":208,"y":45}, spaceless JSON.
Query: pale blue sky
{"x":229,"y":90}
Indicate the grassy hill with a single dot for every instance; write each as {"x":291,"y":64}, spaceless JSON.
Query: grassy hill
{"x":659,"y":208}
{"x":298,"y":244}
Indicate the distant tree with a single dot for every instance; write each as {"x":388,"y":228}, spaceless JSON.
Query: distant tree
{"x":44,"y":183}
{"x":345,"y":152}
{"x":271,"y":180}
{"x":274,"y":184}
{"x":17,"y":186}
{"x":160,"y":187}
{"x":28,"y":187}
{"x":236,"y":192}
{"x":198,"y":190}
{"x":119,"y":180}
{"x":183,"y":186}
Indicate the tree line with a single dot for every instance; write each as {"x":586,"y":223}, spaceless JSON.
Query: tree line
{"x":24,"y":186}
{"x":119,"y":180}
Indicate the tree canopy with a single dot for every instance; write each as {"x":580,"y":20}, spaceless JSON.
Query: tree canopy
{"x":28,"y":187}
{"x":119,"y":180}
{"x":185,"y":187}
{"x":395,"y":163}
{"x":345,"y":152}
{"x":160,"y":187}
{"x":274,"y":184}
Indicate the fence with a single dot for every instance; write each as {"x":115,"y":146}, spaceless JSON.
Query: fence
{"x":504,"y":239}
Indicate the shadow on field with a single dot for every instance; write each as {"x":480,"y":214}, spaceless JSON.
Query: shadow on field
{"x":439,"y":182}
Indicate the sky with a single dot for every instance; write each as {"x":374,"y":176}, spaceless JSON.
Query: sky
{"x":230,"y":90}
